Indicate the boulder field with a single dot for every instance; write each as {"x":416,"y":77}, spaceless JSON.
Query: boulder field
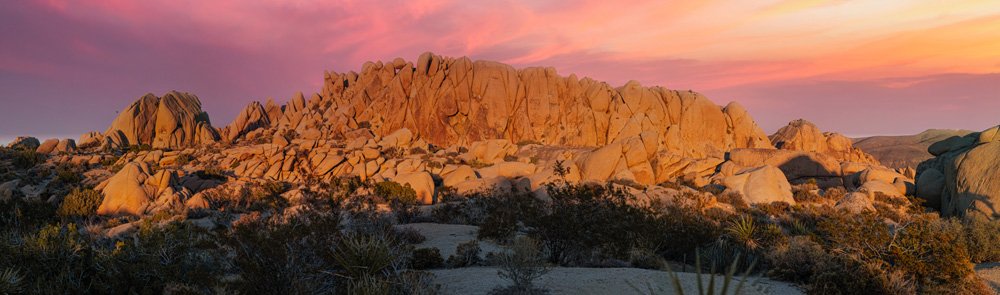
{"x":466,"y":125}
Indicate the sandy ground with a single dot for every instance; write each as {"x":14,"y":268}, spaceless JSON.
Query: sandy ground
{"x":562,"y":280}
{"x":447,"y":237}
{"x":990,"y":272}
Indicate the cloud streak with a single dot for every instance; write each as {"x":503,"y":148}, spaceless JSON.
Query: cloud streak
{"x":904,"y":65}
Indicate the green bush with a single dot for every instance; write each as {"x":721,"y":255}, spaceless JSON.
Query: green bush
{"x":426,"y":258}
{"x":80,"y":203}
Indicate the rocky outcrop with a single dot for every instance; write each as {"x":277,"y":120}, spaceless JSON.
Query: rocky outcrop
{"x":55,"y":146}
{"x":172,"y":121}
{"x":450,"y":101}
{"x":761,"y":185}
{"x":964,"y":177}
{"x":802,"y":135}
{"x":137,"y":190}
{"x":24,"y":142}
{"x":253,"y":117}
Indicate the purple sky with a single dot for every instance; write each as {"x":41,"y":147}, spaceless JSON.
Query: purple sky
{"x":67,"y":67}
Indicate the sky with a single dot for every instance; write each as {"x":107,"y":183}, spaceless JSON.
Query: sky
{"x":855,"y":67}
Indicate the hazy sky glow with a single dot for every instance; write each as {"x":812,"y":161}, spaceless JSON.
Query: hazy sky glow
{"x":857,"y":67}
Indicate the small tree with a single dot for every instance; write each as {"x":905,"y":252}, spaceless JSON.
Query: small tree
{"x":522,"y":265}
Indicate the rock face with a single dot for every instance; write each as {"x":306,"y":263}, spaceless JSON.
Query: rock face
{"x":763,"y":184}
{"x":905,"y":151}
{"x":451,"y":101}
{"x":802,"y":135}
{"x":172,"y":121}
{"x":136,"y":190}
{"x":964,"y":177}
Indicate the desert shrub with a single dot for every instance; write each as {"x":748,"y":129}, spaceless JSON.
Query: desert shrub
{"x":585,"y":224}
{"x":273,"y":257}
{"x":80,"y":203}
{"x":982,"y":238}
{"x":417,"y":283}
{"x":394,"y":192}
{"x":68,"y":174}
{"x":773,"y":208}
{"x":805,"y":196}
{"x":401,"y":199}
{"x":368,"y":263}
{"x":646,"y":259}
{"x":467,"y":254}
{"x":929,"y":251}
{"x":417,"y":151}
{"x":18,"y":213}
{"x":426,"y":258}
{"x":184,"y":159}
{"x":732,"y":198}
{"x":504,"y":211}
{"x":521,"y":265}
{"x":796,"y":261}
{"x":211,"y":172}
{"x":835,"y":193}
{"x":510,"y":158}
{"x":25,"y":158}
{"x":410,"y":235}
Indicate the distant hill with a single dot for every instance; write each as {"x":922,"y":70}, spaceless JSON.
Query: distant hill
{"x":904,"y":150}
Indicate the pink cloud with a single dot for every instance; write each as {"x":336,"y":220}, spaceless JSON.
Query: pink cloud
{"x":781,"y":58}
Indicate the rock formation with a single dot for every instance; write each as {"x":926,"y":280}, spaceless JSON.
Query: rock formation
{"x":964,"y":176}
{"x":136,"y":190}
{"x":802,"y":135}
{"x":24,"y":142}
{"x":449,"y":101}
{"x":172,"y":121}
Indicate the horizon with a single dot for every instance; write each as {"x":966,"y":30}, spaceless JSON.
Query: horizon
{"x":920,"y":66}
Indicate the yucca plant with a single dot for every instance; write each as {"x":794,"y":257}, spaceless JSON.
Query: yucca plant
{"x":710,"y":288}
{"x":744,"y":230}
{"x":11,"y":282}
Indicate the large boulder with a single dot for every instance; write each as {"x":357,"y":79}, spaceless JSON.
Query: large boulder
{"x":965,"y":176}
{"x":761,"y":185}
{"x":125,"y":193}
{"x":172,"y":121}
{"x":47,"y":146}
{"x":137,"y":190}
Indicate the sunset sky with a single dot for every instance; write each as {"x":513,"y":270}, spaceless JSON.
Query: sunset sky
{"x":855,"y":67}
